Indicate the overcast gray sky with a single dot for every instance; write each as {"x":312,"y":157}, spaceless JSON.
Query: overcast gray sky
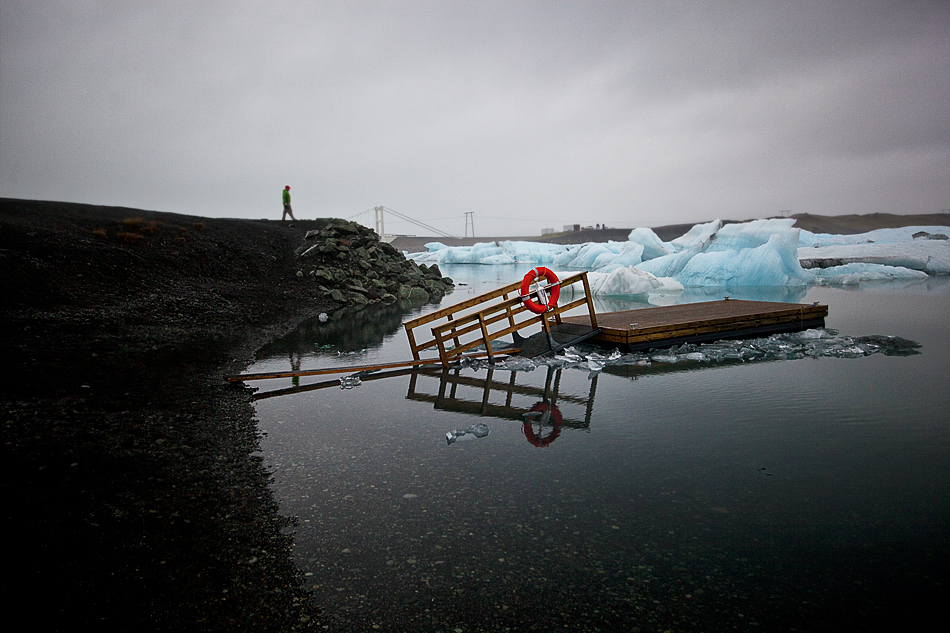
{"x":528,"y":114}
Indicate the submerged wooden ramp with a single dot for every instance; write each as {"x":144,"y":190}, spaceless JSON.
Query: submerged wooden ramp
{"x":666,"y":326}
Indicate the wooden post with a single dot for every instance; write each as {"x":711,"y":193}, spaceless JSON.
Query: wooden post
{"x":481,"y":323}
{"x":442,"y":355}
{"x":455,"y":339}
{"x":412,"y":343}
{"x":511,"y":315}
{"x":590,"y":301}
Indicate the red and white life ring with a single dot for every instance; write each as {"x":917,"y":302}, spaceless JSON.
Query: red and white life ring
{"x":545,"y":413}
{"x":547,"y":294}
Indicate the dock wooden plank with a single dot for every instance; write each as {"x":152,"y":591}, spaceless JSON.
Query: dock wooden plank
{"x":701,"y":321}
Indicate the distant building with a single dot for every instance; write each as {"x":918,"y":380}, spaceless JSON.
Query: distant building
{"x":572,"y":227}
{"x":547,"y":231}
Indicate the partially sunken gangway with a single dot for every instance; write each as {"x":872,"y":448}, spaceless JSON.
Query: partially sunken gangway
{"x":478,"y":327}
{"x":476,"y":323}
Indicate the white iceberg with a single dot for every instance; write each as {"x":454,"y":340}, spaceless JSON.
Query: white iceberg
{"x":929,"y":256}
{"x":757,"y":253}
{"x":768,"y":253}
{"x":855,"y":274}
{"x":738,"y":257}
{"x":490,"y":253}
{"x":901,"y":235}
{"x":630,"y":281}
{"x":600,"y":256}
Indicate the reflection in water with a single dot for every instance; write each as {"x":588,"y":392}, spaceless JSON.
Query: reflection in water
{"x":345,"y":331}
{"x":541,"y":420}
{"x":543,"y":414}
{"x":347,"y":382}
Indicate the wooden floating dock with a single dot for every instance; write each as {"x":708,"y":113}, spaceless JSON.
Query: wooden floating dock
{"x":470,"y":327}
{"x":666,"y":326}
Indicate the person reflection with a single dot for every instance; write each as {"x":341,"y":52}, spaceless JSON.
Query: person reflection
{"x":295,"y":367}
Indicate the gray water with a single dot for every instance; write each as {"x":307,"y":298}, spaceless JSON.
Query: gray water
{"x":809,"y":494}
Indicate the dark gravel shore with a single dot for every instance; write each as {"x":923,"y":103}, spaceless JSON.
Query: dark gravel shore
{"x":135,"y":499}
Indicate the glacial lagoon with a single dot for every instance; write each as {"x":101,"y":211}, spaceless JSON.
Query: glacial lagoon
{"x":811,"y":493}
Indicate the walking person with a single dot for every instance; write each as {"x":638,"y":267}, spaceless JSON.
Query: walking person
{"x":287,"y":209}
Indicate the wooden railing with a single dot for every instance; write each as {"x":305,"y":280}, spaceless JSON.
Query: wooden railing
{"x":478,"y":321}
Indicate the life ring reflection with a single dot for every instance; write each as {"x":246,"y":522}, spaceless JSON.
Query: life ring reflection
{"x":545,"y":415}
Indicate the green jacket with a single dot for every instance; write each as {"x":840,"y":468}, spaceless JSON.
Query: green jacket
{"x":286,"y":196}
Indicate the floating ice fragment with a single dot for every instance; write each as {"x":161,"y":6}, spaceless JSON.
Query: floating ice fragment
{"x":595,"y":362}
{"x":475,"y":431}
{"x":569,"y":356}
{"x":348,"y":382}
{"x":475,"y":364}
{"x":814,"y":343}
{"x":517,"y":363}
{"x":817,"y":333}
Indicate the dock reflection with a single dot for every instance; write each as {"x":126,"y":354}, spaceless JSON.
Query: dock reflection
{"x":539,"y":409}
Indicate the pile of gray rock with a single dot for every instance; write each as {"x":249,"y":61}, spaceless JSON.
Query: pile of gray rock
{"x":353,"y":267}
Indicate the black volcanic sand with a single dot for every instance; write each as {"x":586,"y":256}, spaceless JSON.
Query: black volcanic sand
{"x":135,"y":497}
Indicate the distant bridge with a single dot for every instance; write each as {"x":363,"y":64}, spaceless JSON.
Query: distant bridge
{"x":379,"y":218}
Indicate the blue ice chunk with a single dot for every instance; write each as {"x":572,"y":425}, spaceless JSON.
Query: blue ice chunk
{"x":774,"y":263}
{"x":668,"y":265}
{"x":653,"y":247}
{"x":697,"y":237}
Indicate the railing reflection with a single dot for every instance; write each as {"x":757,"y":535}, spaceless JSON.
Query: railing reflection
{"x":537,"y":408}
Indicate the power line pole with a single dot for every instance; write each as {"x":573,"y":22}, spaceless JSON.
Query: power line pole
{"x":380,"y":229}
{"x":469,"y":219}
